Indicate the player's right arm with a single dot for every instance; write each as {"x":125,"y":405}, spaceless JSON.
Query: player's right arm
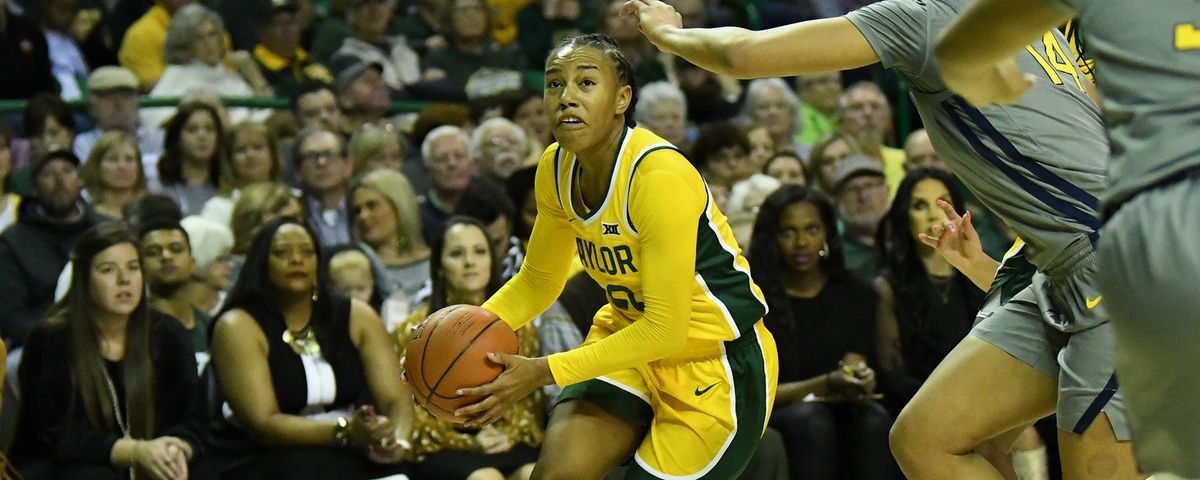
{"x":544,"y":272}
{"x":796,"y":49}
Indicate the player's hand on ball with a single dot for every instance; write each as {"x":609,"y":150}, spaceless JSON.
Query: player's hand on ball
{"x":1003,"y":84}
{"x":956,"y":240}
{"x":653,"y":17}
{"x":521,"y":377}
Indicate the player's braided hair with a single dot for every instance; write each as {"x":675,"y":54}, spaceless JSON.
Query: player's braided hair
{"x":608,"y":45}
{"x":1072,"y":32}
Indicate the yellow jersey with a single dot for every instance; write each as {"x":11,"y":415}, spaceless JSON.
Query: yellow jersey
{"x":674,"y":275}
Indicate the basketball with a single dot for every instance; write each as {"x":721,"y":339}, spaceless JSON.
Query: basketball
{"x":449,"y":351}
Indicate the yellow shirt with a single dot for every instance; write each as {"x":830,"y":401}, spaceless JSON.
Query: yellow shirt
{"x":893,"y":168}
{"x":674,"y":275}
{"x":142,"y":48}
{"x":504,"y":19}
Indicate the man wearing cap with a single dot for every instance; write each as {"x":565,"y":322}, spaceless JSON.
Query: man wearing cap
{"x":284,"y":63}
{"x":862,"y":201}
{"x":112,"y":102}
{"x":369,"y":41}
{"x":33,"y":250}
{"x":361,"y":91}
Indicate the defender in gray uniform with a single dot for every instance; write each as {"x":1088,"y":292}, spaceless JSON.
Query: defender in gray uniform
{"x":1148,"y":72}
{"x":1039,"y":164}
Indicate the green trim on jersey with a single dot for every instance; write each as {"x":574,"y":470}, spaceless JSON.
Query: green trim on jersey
{"x":1014,"y":275}
{"x":624,"y":405}
{"x":716,"y":267}
{"x":747,"y":365}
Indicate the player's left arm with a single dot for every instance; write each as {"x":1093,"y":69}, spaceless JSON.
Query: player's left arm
{"x":977,"y":52}
{"x":665,"y":205}
{"x":551,"y":244}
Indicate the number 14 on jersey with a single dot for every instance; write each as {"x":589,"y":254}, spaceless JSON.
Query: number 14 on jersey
{"x":1056,"y":62}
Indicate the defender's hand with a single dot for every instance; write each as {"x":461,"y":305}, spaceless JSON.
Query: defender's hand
{"x":956,"y":240}
{"x":654,"y":18}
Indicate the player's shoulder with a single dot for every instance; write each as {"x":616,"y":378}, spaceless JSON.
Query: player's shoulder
{"x":548,"y":163}
{"x":663,"y":161}
{"x":549,"y":154}
{"x":644,"y":149}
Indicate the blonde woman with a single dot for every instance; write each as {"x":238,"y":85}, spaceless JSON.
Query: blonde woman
{"x":373,"y":148}
{"x":772,"y":104}
{"x":386,"y":219}
{"x":113,"y":174}
{"x":257,"y":205}
{"x":252,"y":156}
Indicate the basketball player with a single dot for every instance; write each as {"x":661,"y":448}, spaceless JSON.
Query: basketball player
{"x":1148,"y":73}
{"x":1039,"y":165}
{"x":677,"y":365}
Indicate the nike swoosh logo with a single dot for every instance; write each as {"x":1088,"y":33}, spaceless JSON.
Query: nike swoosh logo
{"x":700,"y":392}
{"x":1092,"y":302}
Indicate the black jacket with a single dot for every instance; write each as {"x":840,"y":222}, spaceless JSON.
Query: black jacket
{"x":33,"y":252}
{"x":54,"y":424}
{"x":24,"y":52}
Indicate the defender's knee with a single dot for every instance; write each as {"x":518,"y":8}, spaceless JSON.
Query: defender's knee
{"x":904,"y":439}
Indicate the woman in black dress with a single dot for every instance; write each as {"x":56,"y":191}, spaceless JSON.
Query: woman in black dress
{"x":824,"y":320}
{"x":311,"y":379}
{"x":927,"y":306}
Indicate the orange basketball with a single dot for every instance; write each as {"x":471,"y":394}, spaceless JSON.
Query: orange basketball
{"x":449,"y":351}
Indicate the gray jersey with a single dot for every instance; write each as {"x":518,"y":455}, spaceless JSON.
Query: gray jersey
{"x":1148,"y":73}
{"x":1039,"y":164}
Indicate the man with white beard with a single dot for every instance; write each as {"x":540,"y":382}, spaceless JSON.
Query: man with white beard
{"x":499,"y":147}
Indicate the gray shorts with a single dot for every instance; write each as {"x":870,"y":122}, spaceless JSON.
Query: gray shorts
{"x":1150,"y":276}
{"x":1026,"y":327}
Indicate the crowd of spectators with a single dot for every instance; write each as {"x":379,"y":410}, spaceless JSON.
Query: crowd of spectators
{"x":195,"y":289}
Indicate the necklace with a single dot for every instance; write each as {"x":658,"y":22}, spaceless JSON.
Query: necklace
{"x":112,"y":395}
{"x":304,"y":342}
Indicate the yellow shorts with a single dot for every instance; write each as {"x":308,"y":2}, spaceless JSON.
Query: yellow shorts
{"x":703,"y":412}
